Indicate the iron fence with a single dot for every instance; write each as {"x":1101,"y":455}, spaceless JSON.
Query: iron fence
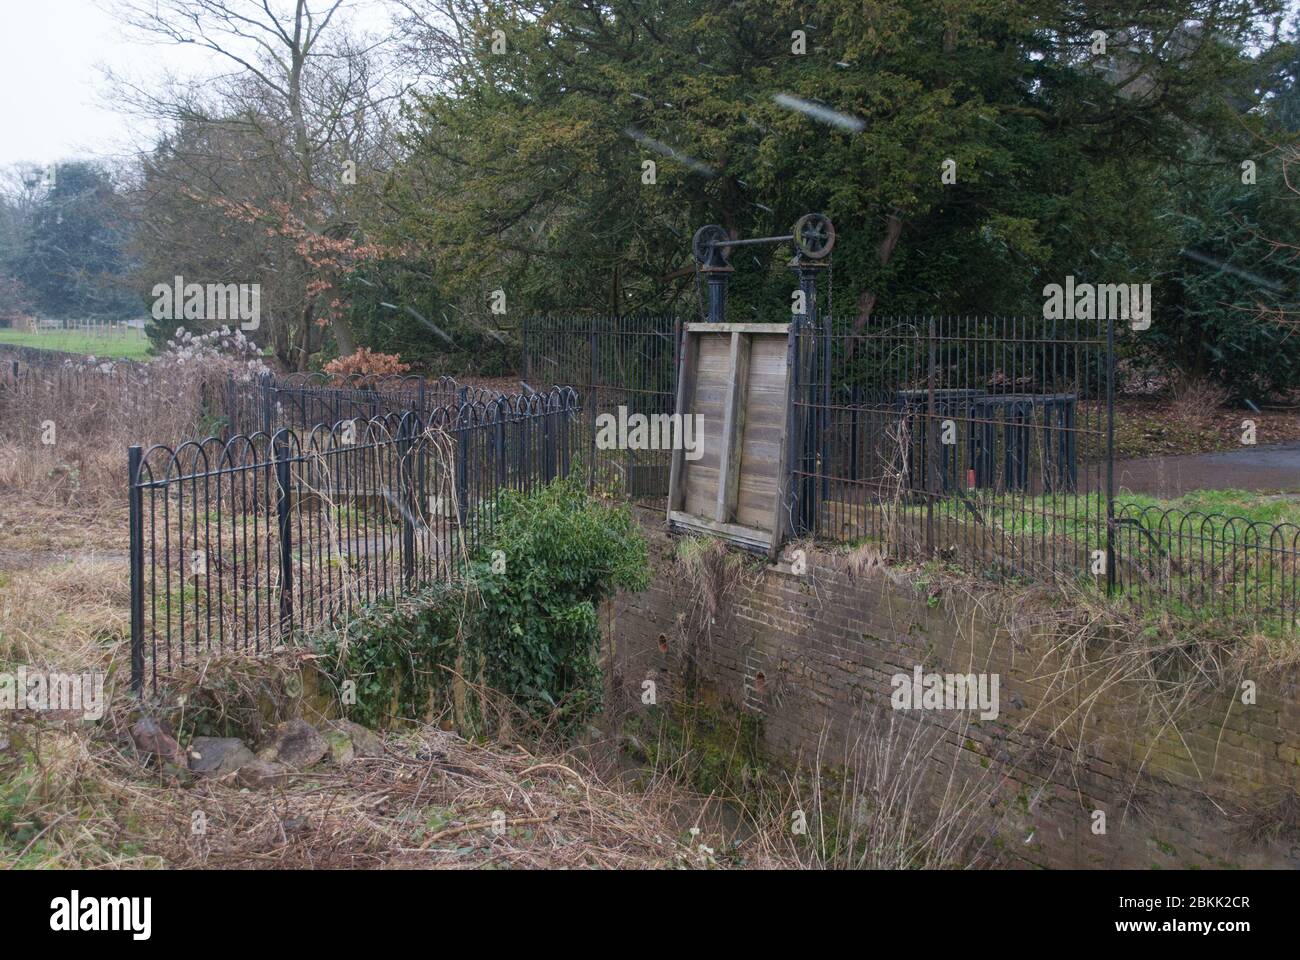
{"x":36,"y":385}
{"x":302,"y":400}
{"x":1228,"y":570}
{"x":983,"y":441}
{"x":614,"y":362}
{"x":237,"y":543}
{"x":983,"y":438}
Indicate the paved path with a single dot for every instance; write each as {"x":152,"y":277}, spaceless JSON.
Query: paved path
{"x":1274,"y":468}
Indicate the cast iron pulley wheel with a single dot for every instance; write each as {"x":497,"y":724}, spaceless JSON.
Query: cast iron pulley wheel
{"x":704,"y":237}
{"x":814,"y":234}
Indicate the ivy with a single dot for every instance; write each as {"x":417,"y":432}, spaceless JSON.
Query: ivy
{"x":551,"y":557}
{"x":522,"y":619}
{"x":395,"y":653}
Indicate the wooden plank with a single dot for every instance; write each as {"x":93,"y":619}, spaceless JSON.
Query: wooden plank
{"x":685,"y":399}
{"x":772,"y":329}
{"x":764,"y":427}
{"x":733,"y":429}
{"x":732,"y":532}
{"x":712,"y":375}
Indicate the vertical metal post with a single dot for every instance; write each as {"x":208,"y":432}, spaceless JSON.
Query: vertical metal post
{"x":928,"y":469}
{"x":406,"y":497}
{"x":592,"y":412}
{"x":1110,"y":456}
{"x":853,"y":431}
{"x":135,"y":456}
{"x":548,"y":447}
{"x":280,"y":446}
{"x":811,"y":422}
{"x":789,"y":494}
{"x":824,"y":453}
{"x":268,"y":404}
{"x":462,"y":467}
{"x":499,"y":437}
{"x":718,"y":280}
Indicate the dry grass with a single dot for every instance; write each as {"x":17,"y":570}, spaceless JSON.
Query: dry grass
{"x":78,"y":795}
{"x":902,"y":794}
{"x":1196,"y":401}
{"x":433,"y":800}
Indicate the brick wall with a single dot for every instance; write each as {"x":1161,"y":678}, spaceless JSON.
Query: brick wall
{"x":813,"y":654}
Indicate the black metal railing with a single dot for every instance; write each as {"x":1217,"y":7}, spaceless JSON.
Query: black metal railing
{"x":985,"y":441}
{"x":984,"y":438}
{"x":304,"y":399}
{"x":615,"y":363}
{"x":236,"y":544}
{"x":1213,"y":567}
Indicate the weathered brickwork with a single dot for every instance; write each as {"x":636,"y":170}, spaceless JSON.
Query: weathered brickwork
{"x":811,"y":653}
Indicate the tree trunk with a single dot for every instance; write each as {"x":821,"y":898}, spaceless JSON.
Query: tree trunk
{"x":343,"y":335}
{"x":867,"y":299}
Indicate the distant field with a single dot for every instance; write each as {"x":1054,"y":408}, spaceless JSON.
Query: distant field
{"x":132,"y":344}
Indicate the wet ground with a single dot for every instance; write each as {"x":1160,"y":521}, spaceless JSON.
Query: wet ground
{"x":1274,"y":468}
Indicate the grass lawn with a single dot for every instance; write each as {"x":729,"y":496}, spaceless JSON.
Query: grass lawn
{"x":1081,"y":517}
{"x":130,"y":344}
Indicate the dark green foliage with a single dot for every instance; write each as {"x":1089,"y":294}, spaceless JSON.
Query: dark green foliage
{"x":564,"y":553}
{"x":1216,"y":314}
{"x":397,"y":655}
{"x":398,"y":308}
{"x":72,"y":258}
{"x":1058,"y":164}
{"x":529,"y":633}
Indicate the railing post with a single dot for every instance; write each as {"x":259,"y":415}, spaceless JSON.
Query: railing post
{"x":500,"y":445}
{"x":591,"y":396}
{"x":548,"y":447}
{"x":1111,"y":560}
{"x":928,"y":439}
{"x":268,"y":404}
{"x":135,"y":456}
{"x":462,"y":469}
{"x":280,"y":446}
{"x":407,"y":499}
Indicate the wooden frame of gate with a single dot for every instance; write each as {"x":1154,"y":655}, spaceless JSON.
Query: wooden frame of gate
{"x":736,"y":378}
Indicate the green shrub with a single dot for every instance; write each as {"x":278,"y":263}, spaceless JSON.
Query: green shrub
{"x":395,"y":653}
{"x":558,"y":554}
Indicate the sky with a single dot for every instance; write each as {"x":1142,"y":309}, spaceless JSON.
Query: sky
{"x":55,"y":105}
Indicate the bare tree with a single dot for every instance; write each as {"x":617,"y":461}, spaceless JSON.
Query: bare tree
{"x":289,"y":139}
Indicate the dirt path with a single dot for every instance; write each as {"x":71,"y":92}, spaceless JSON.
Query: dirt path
{"x":1273,"y":468}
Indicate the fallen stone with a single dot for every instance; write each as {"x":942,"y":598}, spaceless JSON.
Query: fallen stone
{"x":365,"y":742}
{"x":258,"y":773}
{"x":295,"y":743}
{"x":341,"y":751}
{"x":218,"y":756}
{"x":153,"y":739}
